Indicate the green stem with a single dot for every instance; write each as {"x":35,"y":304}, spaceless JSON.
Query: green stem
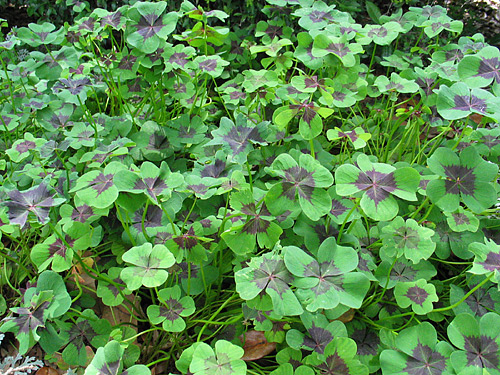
{"x":211,"y":320}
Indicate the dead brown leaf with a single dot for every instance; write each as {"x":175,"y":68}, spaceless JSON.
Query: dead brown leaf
{"x":347,"y":316}
{"x":256,"y":345}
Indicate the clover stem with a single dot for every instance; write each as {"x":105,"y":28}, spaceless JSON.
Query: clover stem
{"x":250,"y":181}
{"x":211,"y":321}
{"x":414,"y":214}
{"x":10,"y":84}
{"x":124,"y":225}
{"x":341,"y":230}
{"x":311,"y":143}
{"x":386,"y":284}
{"x":469,"y":293}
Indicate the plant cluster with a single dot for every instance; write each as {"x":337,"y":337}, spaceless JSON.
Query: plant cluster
{"x":304,"y":195}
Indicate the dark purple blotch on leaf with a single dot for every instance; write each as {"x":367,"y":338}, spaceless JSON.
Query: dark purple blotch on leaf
{"x":149,"y":25}
{"x":208,"y":65}
{"x":377,"y":185}
{"x":425,"y":361}
{"x":469,"y":103}
{"x":490,"y":68}
{"x":417,"y":295}
{"x":102,"y":183}
{"x":272,"y":274}
{"x":366,"y":341}
{"x":334,"y":365}
{"x":25,"y":146}
{"x":319,"y":339}
{"x":402,"y":272}
{"x":152,"y":219}
{"x":187,"y":240}
{"x":80,"y":333}
{"x":380,"y":32}
{"x":317,"y":16}
{"x":482,"y":352}
{"x":460,"y":179}
{"x":172,"y":310}
{"x":37,"y":200}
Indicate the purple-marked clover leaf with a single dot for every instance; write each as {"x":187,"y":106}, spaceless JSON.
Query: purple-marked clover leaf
{"x":171,"y":310}
{"x":97,"y":188}
{"x":58,"y":253}
{"x":466,"y":178}
{"x":310,"y":123}
{"x":449,"y":241}
{"x":268,"y":273}
{"x":30,"y":317}
{"x":71,"y":90}
{"x":305,"y":178}
{"x":24,"y":147}
{"x":406,"y":238}
{"x":481,"y":69}
{"x":325,"y":44}
{"x":110,"y":293}
{"x":462,"y":220}
{"x":82,"y":135}
{"x":149,"y":268}
{"x":357,"y":137}
{"x":238,"y":139}
{"x":201,"y":187}
{"x":37,"y":200}
{"x":193,"y":281}
{"x":303,"y":51}
{"x":226,"y":360}
{"x":367,"y":342}
{"x":341,"y":208}
{"x":48,"y":300}
{"x":271,"y":47}
{"x":339,"y":357}
{"x":459,"y":101}
{"x":148,"y":26}
{"x":88,"y":329}
{"x":395,"y":83}
{"x":487,"y":258}
{"x":435,"y":26}
{"x":417,"y":294}
{"x":186,"y":130}
{"x":483,"y":300}
{"x":478,"y":341}
{"x":403,"y":271}
{"x":40,"y":34}
{"x":320,"y":332}
{"x":212,"y":65}
{"x":380,"y":34}
{"x":178,"y":57}
{"x":255,"y":79}
{"x":316,"y":16}
{"x":378,"y":184}
{"x":486,"y":141}
{"x":328,"y":280}
{"x":418,"y":353}
{"x":189,"y":244}
{"x":108,"y":360}
{"x":257,"y":228}
{"x":153,"y":181}
{"x":314,"y":232}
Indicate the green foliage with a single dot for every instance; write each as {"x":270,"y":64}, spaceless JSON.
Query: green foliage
{"x":175,"y":176}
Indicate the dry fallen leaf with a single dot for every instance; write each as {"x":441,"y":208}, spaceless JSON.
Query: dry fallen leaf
{"x":347,"y":316}
{"x":255,"y":345}
{"x":47,"y":371}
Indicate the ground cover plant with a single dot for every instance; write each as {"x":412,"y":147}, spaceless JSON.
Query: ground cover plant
{"x":306,"y":195}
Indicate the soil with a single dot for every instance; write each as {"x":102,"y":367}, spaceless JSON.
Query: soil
{"x":15,"y":17}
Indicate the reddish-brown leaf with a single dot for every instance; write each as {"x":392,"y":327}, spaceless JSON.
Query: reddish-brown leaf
{"x":256,"y":345}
